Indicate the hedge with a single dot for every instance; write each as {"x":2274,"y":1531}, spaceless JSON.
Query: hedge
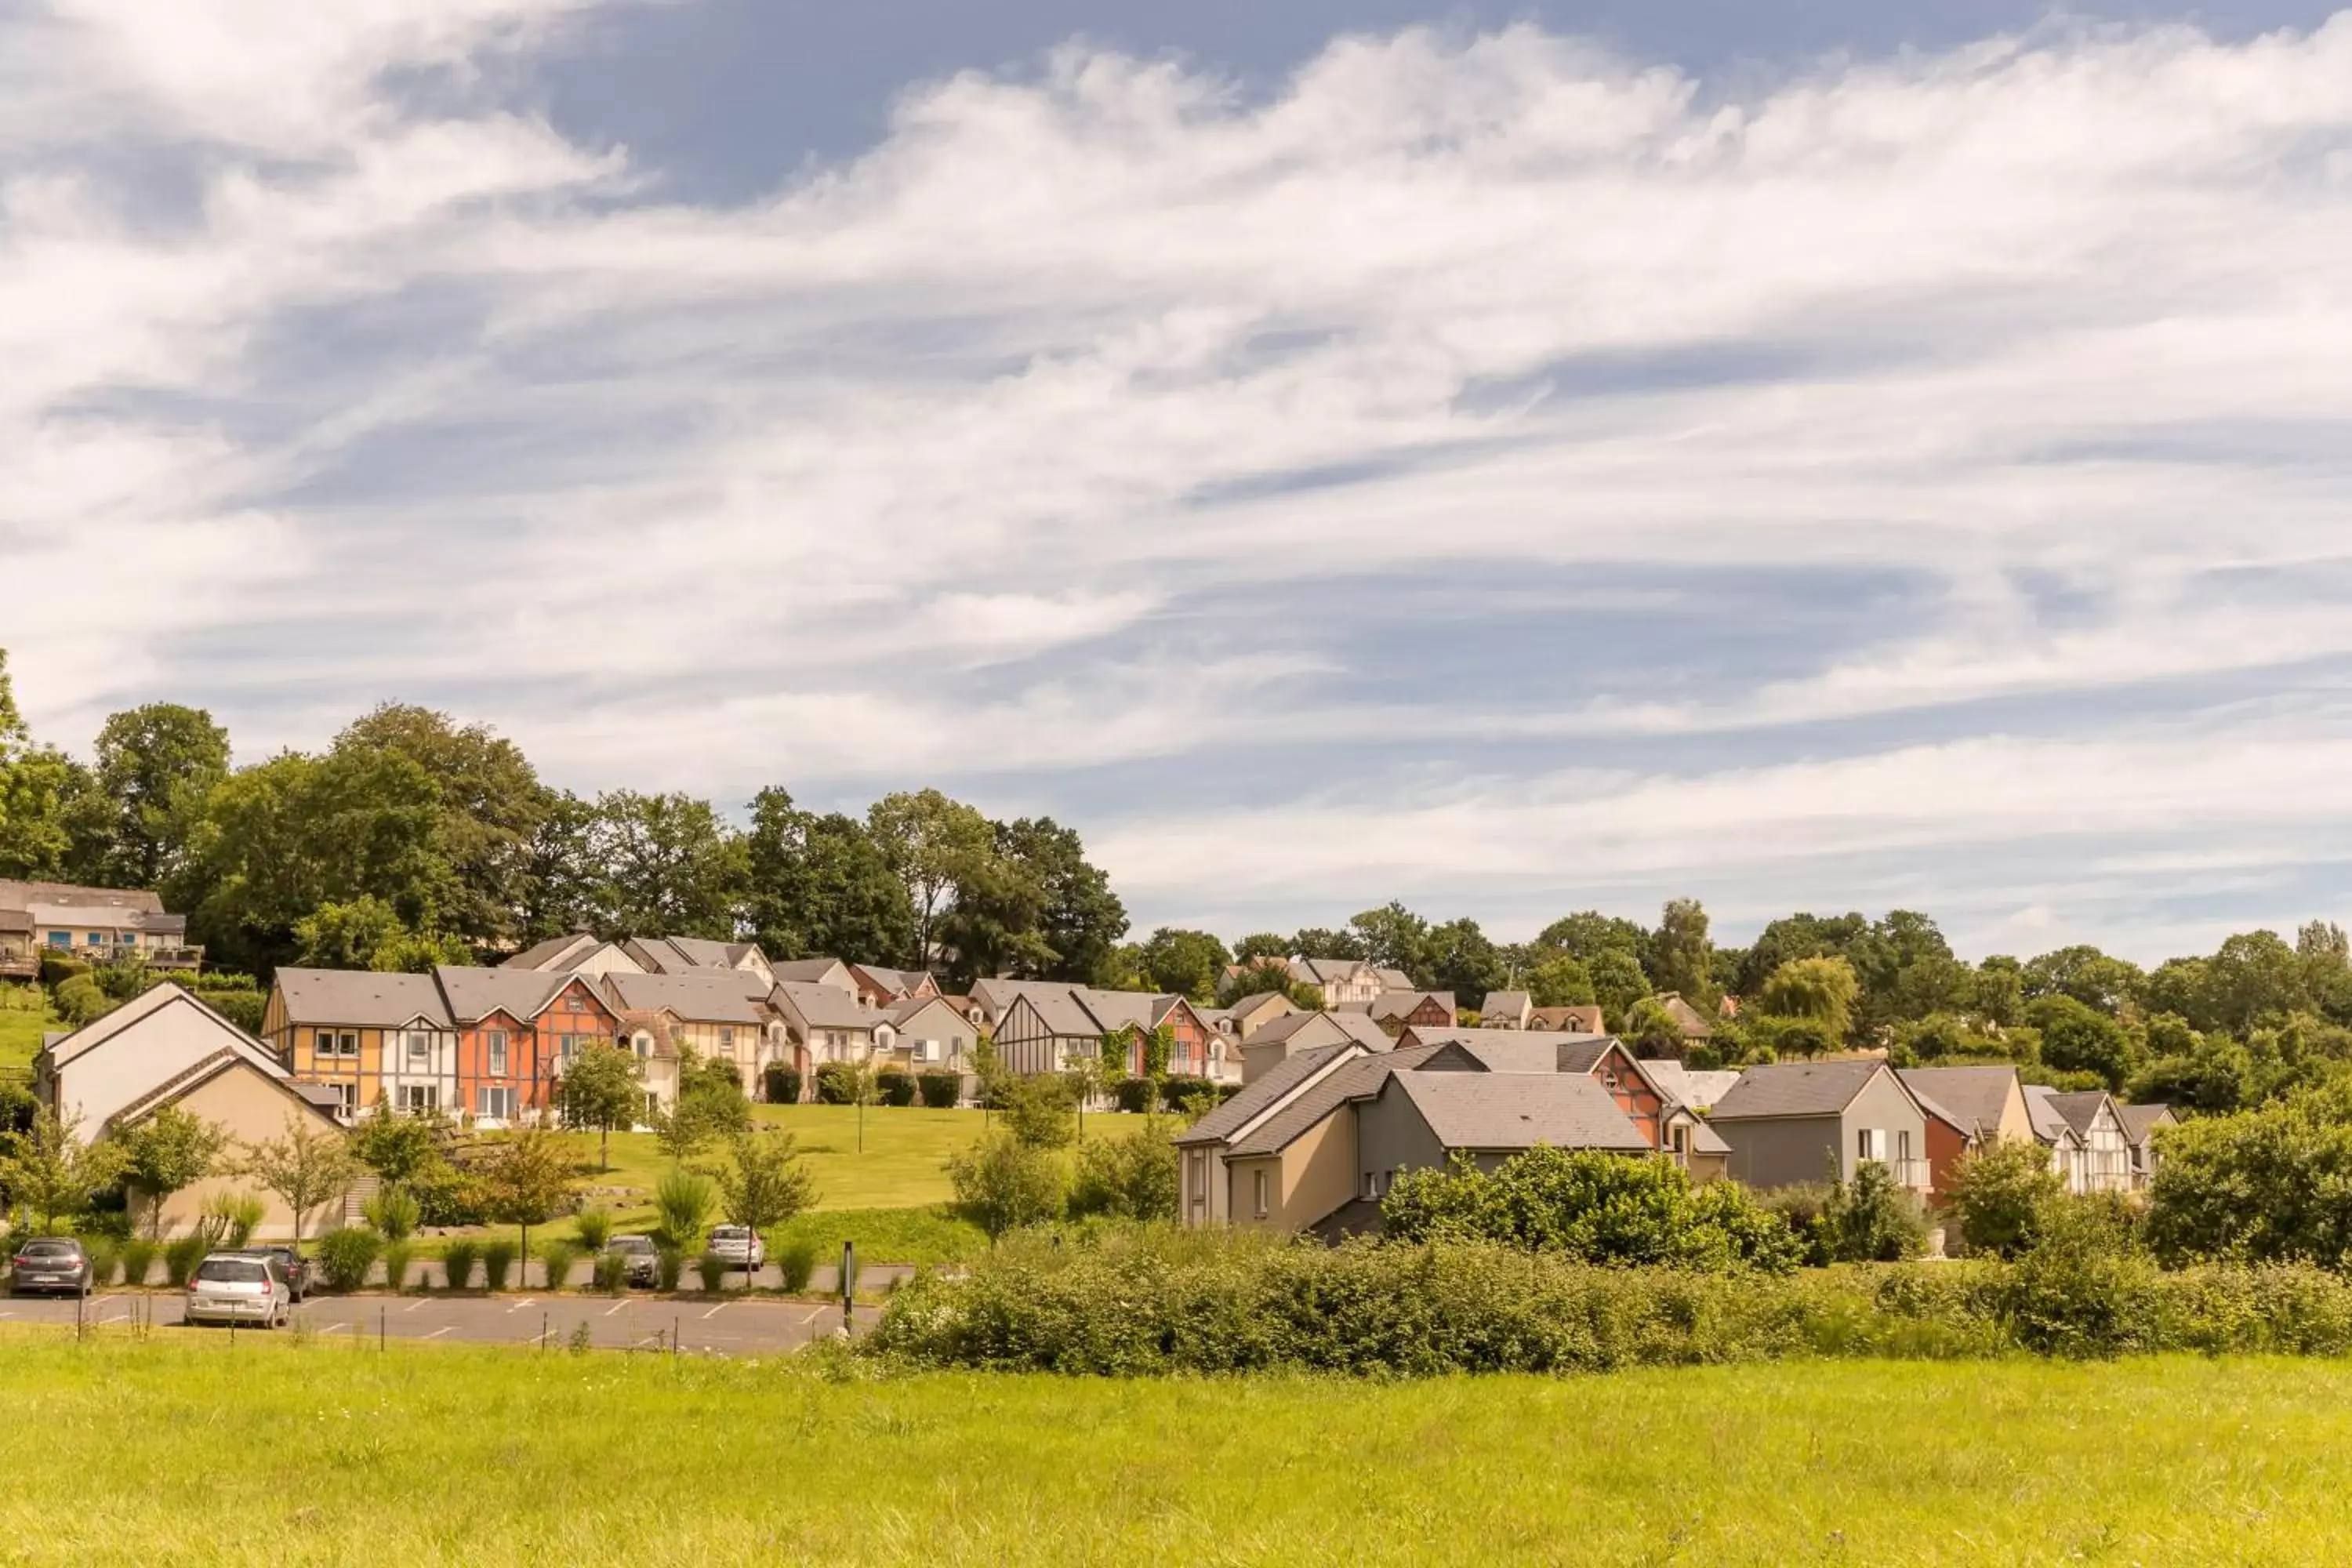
{"x":1155,"y":1301}
{"x":782,"y":1086}
{"x":894,"y":1086}
{"x":836,"y":1084}
{"x":941,"y":1090}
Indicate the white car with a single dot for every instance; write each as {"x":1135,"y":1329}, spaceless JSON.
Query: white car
{"x":240,"y":1288}
{"x":737,"y":1246}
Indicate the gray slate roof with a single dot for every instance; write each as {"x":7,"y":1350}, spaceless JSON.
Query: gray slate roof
{"x":1506,"y":1003}
{"x":364,"y":999}
{"x":2049,"y":1124}
{"x":812,"y":970}
{"x":1695,"y":1090}
{"x":2140,"y":1119}
{"x":694,"y":998}
{"x":1970,"y":1097}
{"x":1355,"y":1027}
{"x":475,"y":993}
{"x":1797,"y":1089}
{"x":548,"y":954}
{"x":826,"y":1007}
{"x":1515,"y":1110}
{"x":2079,"y":1109}
{"x":1357,"y":1079}
{"x":1283,"y":1079}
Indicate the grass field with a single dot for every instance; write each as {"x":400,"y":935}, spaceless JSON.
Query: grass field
{"x":21,"y":1026}
{"x":202,"y":1454}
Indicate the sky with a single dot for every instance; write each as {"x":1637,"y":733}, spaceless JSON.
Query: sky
{"x":1514,"y":459}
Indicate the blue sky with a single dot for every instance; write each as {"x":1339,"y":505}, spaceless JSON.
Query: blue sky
{"x":1516,"y":459}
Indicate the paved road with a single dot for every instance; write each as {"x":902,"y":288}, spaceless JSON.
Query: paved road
{"x":738,"y":1326}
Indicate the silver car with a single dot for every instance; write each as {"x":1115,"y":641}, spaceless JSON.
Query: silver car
{"x":240,"y":1288}
{"x":737,"y":1245}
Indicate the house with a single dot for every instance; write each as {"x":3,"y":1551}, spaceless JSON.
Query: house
{"x":1695,"y":1025}
{"x":578,"y":953}
{"x":887,"y":987}
{"x":1575,"y":1020}
{"x":1292,"y":1033}
{"x":2056,"y":1134}
{"x":367,"y":1038}
{"x":515,"y":1028}
{"x":719,"y":1015}
{"x":824,"y":1023}
{"x":1399,"y":1010}
{"x":830,"y":972}
{"x":1967,"y":1108}
{"x":1249,"y":1013}
{"x":653,"y":1035}
{"x":94,"y":925}
{"x":2103,"y":1159}
{"x":1793,"y":1122}
{"x":2141,"y":1123}
{"x":1506,"y":1010}
{"x":1046,"y":1027}
{"x":1689,"y":1085}
{"x":1535,"y":1044}
{"x":165,"y":1047}
{"x":686,"y":954}
{"x":928,"y":1034}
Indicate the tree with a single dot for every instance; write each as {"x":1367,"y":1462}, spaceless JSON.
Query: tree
{"x":1560,"y":982}
{"x":2079,"y":1039}
{"x":1185,"y":963}
{"x":2270,"y":1185}
{"x":819,"y":885}
{"x":1080,"y":919}
{"x":1822,"y":989}
{"x":602,"y":1087}
{"x":558,"y":879}
{"x":1458,"y":957}
{"x":1680,"y":954}
{"x":931,"y":843}
{"x":1618,"y":981}
{"x":1316,"y":941}
{"x":2254,"y":978}
{"x":1261,"y":944}
{"x":1002,"y":1184}
{"x":2214,"y":1074}
{"x":710,"y":1105}
{"x":169,"y":1151}
{"x":2000,"y":1193}
{"x":310,"y":1164}
{"x":1651,"y":1031}
{"x":1134,"y":1176}
{"x":1392,"y":937}
{"x":1793,"y":937}
{"x":526,"y":1175}
{"x":2087,"y":974}
{"x":763,"y":1184}
{"x":665,"y":863}
{"x":1869,"y":1219}
{"x":399,"y":1148}
{"x":1038,"y":1111}
{"x":367,"y":933}
{"x":1590,"y":933}
{"x":156,"y":766}
{"x":48,"y":1173}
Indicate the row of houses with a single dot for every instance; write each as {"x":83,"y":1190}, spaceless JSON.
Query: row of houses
{"x":1332,"y":1115}
{"x":103,"y":925}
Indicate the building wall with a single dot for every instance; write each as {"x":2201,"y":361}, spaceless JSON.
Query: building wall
{"x":1390,"y":1136}
{"x":1781,"y":1152}
{"x":1883,"y":1102}
{"x":1305,"y":1183}
{"x":1946,"y":1144}
{"x":307,"y":1055}
{"x":114,"y":1073}
{"x":2106,"y":1154}
{"x":253,"y":1110}
{"x":1643,"y":1106}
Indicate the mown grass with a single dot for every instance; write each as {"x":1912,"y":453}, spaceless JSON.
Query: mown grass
{"x":200,"y":1453}
{"x":23,"y":1018}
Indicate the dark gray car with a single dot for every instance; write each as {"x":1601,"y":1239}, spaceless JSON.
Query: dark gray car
{"x":52,"y":1265}
{"x":643,"y":1260}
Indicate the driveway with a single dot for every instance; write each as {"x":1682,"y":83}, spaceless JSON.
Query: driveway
{"x":732,"y":1325}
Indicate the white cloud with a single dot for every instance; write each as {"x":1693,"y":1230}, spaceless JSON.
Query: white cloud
{"x":989,"y":431}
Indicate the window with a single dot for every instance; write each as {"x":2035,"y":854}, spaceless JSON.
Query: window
{"x":1681,"y":1139}
{"x":1259,"y":1179}
{"x":1371,"y":1186}
{"x":1870,"y":1143}
{"x":653,"y":1105}
{"x":568,"y":1045}
{"x":327,"y":1043}
{"x":498,"y":1043}
{"x":644,"y":1044}
{"x":61,"y":939}
{"x":726,"y":1039}
{"x":420,"y":1051}
{"x":1902,"y":1147}
{"x":419,"y":1096}
{"x":344,"y":1093}
{"x":494,"y":1103}
{"x":97,"y":939}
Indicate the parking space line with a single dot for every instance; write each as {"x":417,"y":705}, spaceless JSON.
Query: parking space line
{"x":716,"y":1310}
{"x":438,"y":1332}
{"x":334,"y":1328}
{"x":519,"y":1306}
{"x":426,"y":1302}
{"x":617,"y":1307}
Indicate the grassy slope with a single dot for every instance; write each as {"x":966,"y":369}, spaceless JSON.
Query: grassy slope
{"x":21,"y":1028}
{"x":118,"y":1452}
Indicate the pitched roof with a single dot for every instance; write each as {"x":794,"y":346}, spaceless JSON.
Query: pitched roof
{"x":1119,"y":1009}
{"x":475,"y":993}
{"x":1688,"y":1086}
{"x":1397,"y":1003}
{"x":1394,"y":979}
{"x":73,"y":1045}
{"x":1973,"y":1098}
{"x":1507,"y":1004}
{"x":1583,"y":1019}
{"x":2079,"y":1109}
{"x":16,"y":894}
{"x":1359,"y":1079}
{"x":1355,"y":1025}
{"x":1797,"y":1089}
{"x":205,"y":1070}
{"x":2140,"y":1119}
{"x":1324,"y":971}
{"x":712,"y":998}
{"x":551,"y":954}
{"x":825,"y":1006}
{"x":1283,"y":1079}
{"x":913,"y":1005}
{"x":1258,"y":1002}
{"x":654,"y":1024}
{"x":2048,"y":1125}
{"x":811,"y":970}
{"x":365,"y":999}
{"x":1514,"y":1111}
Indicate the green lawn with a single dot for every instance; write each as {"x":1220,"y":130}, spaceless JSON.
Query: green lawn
{"x":122,"y":1452}
{"x":21,"y":1027}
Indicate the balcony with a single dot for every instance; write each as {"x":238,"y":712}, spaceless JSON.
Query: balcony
{"x":19,"y":964}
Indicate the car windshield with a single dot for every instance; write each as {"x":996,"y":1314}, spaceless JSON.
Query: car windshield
{"x":233,"y":1271}
{"x":727,"y":1233}
{"x":49,"y":1249}
{"x":632,"y":1244}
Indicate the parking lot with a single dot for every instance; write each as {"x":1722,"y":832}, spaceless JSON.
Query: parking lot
{"x":734,"y":1326}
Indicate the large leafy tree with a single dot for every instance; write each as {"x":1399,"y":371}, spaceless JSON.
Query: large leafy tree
{"x":366,"y":933}
{"x":558,"y":879}
{"x":931,"y":843}
{"x":1458,"y":957}
{"x":1588,"y":933}
{"x":167,"y":1153}
{"x":665,"y":864}
{"x":819,"y":885}
{"x":1821,"y":989}
{"x":2087,"y":974}
{"x":1079,"y":918}
{"x":1185,"y":963}
{"x":1393,"y":937}
{"x":39,"y":789}
{"x":1618,"y":981}
{"x":1793,"y":937}
{"x":157,"y":766}
{"x":1681,"y":953}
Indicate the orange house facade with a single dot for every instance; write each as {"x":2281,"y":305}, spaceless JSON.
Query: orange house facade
{"x":514,"y":1030}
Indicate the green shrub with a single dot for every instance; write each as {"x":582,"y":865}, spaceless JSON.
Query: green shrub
{"x":138,"y":1256}
{"x":243,"y":1008}
{"x":458,"y":1261}
{"x":941,"y":1090}
{"x":181,"y":1255}
{"x":669,"y":1264}
{"x":396,"y":1255}
{"x":711,"y":1270}
{"x":1040,"y":1111}
{"x":498,"y":1263}
{"x":1002,"y":1183}
{"x":683,"y":1203}
{"x":557,"y":1259}
{"x":57,"y":969}
{"x":345,"y":1256}
{"x":1130,"y":1177}
{"x":231,"y":1218}
{"x":612,"y":1273}
{"x":393,"y":1213}
{"x":1870,"y":1220}
{"x":796,"y":1261}
{"x":2273,"y":1184}
{"x":1178,"y":1093}
{"x":895,"y":1086}
{"x":1132,"y":1094}
{"x":596,"y":1226}
{"x":781,"y":1086}
{"x":80,"y":1000}
{"x":446,"y":1195}
{"x":105,"y":1261}
{"x":1999,"y":1193}
{"x":836,"y":1084}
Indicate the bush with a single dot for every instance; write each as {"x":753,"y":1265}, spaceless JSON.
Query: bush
{"x":181,"y":1257}
{"x":1870,"y":1220}
{"x":397,"y":1255}
{"x":137,"y":1260}
{"x":2264,"y":1185}
{"x":596,"y":1226}
{"x":393,"y":1213}
{"x":1040,"y":1111}
{"x":796,"y":1261}
{"x":458,"y":1261}
{"x":80,"y":1001}
{"x":612,"y":1273}
{"x":498,"y":1263}
{"x":345,"y":1256}
{"x":242,"y":1007}
{"x":940,"y":1090}
{"x":683,"y":1203}
{"x":712,"y":1269}
{"x":1175,"y":1093}
{"x":669,"y":1265}
{"x":781,"y":1086}
{"x":1002,"y":1183}
{"x":1999,"y":1191}
{"x":1130,"y":1177}
{"x":1132,"y":1094}
{"x":56,"y":969}
{"x":231,"y":1218}
{"x":448,"y":1196}
{"x":556,"y":1260}
{"x":105,"y":1261}
{"x":895,"y":1086}
{"x":836,"y":1084}
{"x":1593,"y":1207}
